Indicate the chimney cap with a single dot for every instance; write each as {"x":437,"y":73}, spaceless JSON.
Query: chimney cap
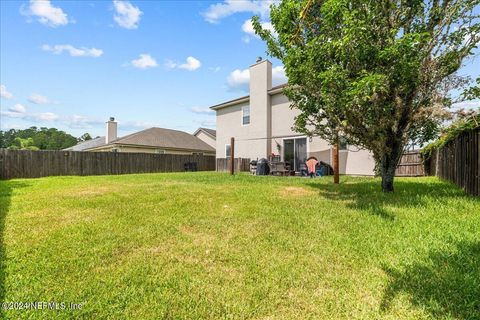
{"x":259,"y":59}
{"x":112,"y":119}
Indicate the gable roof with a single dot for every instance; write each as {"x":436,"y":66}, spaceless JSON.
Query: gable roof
{"x":210,"y":132}
{"x":272,"y":91}
{"x":88,"y":144}
{"x":164,"y":138}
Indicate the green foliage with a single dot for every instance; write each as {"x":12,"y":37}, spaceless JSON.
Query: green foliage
{"x":23,"y":144}
{"x":37,"y":138}
{"x":378,"y":73}
{"x":473,"y":92}
{"x":85,"y":137}
{"x":451,"y":133}
{"x":213,"y":246}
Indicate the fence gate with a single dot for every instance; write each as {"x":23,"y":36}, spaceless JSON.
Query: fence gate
{"x":411,"y":165}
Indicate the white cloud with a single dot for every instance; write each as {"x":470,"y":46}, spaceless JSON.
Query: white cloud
{"x":127,"y":16}
{"x":470,"y":104}
{"x":191,"y":64}
{"x":47,"y":116}
{"x":46,"y":13}
{"x":4,"y":93}
{"x":18,"y":108}
{"x":73,"y":121}
{"x":278,"y":75}
{"x":38,"y":99}
{"x":239,"y":80}
{"x":199,"y":110}
{"x":34,"y":117}
{"x":219,"y":11}
{"x":247,"y":27}
{"x":81,"y":122}
{"x":9,"y":126}
{"x":208,"y":123}
{"x":215,"y":69}
{"x":74,"y":52}
{"x":145,"y":61}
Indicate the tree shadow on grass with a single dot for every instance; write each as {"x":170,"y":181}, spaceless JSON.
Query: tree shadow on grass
{"x":367,"y":196}
{"x":446,"y":284}
{"x":6,"y":191}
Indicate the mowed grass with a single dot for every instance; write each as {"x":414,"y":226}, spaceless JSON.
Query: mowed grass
{"x":213,"y":246}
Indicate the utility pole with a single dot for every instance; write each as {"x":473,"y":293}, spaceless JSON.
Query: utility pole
{"x":336,"y":178}
{"x":232,"y":154}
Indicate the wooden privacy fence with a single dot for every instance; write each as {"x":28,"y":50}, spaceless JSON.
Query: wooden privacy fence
{"x":241,"y":164}
{"x":34,"y":164}
{"x":410,"y":165}
{"x":459,"y":162}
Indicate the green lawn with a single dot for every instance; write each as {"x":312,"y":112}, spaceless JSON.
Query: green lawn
{"x":213,"y":246}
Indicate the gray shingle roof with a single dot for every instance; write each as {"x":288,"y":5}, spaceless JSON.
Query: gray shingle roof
{"x":164,"y":138}
{"x":97,"y":142}
{"x":209,"y":131}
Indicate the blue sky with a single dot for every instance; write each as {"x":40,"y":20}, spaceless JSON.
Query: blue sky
{"x":78,"y":93}
{"x":73,"y":64}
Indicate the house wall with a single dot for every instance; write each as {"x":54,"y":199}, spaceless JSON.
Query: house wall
{"x":229,"y":124}
{"x":207,"y":139}
{"x":271,"y":121}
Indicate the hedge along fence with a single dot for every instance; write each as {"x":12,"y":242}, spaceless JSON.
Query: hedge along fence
{"x":34,"y":164}
{"x":458,"y":161}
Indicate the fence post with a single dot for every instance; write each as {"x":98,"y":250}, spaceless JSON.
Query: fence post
{"x":232,"y":154}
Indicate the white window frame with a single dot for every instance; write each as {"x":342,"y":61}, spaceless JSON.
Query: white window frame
{"x":249,"y":115}
{"x":227,"y":155}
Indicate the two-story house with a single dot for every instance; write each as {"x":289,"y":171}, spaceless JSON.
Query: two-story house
{"x":262,"y":122}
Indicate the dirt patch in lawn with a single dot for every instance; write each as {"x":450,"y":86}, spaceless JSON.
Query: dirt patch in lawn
{"x":90,"y":191}
{"x":199,"y":238}
{"x":294,"y":192}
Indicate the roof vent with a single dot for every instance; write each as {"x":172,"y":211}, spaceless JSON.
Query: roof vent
{"x":259,"y":59}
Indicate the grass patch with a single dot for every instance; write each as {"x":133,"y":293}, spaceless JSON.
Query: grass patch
{"x":209,"y":246}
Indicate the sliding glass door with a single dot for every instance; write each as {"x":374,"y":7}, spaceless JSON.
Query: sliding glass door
{"x":295,"y":152}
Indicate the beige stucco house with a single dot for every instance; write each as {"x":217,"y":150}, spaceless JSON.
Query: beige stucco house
{"x":262,"y":122}
{"x":209,"y":136}
{"x":152,"y":140}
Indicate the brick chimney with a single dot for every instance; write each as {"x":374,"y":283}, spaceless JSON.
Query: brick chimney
{"x":111,"y":128}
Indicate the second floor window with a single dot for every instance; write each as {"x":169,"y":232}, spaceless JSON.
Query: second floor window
{"x":245,"y":115}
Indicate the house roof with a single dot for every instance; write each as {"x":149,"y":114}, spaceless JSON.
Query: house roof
{"x":273,"y":90}
{"x":152,"y":137}
{"x":210,"y":132}
{"x":88,"y":144}
{"x":164,"y":138}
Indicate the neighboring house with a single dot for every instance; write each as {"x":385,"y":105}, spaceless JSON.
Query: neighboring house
{"x":262,"y":122}
{"x":152,"y":140}
{"x":88,"y":144}
{"x":208,"y":136}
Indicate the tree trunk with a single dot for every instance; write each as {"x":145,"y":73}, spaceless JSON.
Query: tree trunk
{"x":388,"y":175}
{"x":388,"y":165}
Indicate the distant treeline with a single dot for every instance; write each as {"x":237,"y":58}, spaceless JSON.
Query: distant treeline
{"x":39,"y":139}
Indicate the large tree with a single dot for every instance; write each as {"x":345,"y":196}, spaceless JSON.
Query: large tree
{"x":374,"y":72}
{"x":41,"y":138}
